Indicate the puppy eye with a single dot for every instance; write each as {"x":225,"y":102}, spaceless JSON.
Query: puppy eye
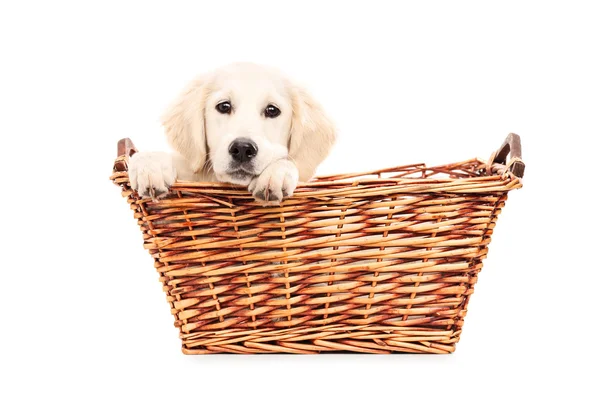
{"x":224,"y":107}
{"x":271,"y":111}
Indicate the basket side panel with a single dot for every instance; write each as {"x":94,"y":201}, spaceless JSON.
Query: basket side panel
{"x":387,"y":273}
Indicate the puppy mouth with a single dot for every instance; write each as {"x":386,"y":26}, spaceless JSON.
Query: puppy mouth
{"x":238,"y":174}
{"x":241,"y":169}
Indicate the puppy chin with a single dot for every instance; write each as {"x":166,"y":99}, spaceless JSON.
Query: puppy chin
{"x":237,"y":178}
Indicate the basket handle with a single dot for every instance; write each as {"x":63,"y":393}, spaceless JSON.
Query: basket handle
{"x":512,"y":146}
{"x":125,"y":149}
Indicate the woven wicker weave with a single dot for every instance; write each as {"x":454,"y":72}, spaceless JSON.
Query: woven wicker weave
{"x":376,"y":263}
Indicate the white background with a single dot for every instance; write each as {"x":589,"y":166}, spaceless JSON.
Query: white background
{"x":83,"y":314}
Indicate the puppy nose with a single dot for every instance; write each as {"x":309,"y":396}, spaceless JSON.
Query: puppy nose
{"x":242,"y":150}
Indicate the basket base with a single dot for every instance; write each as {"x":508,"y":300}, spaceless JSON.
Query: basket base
{"x":331,"y":339}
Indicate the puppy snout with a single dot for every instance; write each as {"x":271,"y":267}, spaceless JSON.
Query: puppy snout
{"x":243,"y":150}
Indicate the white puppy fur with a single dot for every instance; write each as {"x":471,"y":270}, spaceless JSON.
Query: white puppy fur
{"x":283,"y":134}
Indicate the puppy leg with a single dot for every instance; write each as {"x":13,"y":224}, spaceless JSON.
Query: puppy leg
{"x":276,"y":182}
{"x":151,"y":174}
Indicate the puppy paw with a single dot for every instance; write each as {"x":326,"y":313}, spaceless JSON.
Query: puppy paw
{"x":152,"y":174}
{"x":277,"y":182}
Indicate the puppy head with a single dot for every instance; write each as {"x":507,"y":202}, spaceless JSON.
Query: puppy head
{"x":240,"y":118}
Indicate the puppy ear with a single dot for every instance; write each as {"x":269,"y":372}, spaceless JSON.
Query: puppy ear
{"x":184,"y":124}
{"x":312,"y":134}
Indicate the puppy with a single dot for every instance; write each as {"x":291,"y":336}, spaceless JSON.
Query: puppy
{"x":245,"y":124}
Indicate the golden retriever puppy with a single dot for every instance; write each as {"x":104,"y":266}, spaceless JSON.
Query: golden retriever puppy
{"x":245,"y":124}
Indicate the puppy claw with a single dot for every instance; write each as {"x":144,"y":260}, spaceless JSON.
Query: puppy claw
{"x":154,"y":193}
{"x":159,"y":193}
{"x":260,"y":195}
{"x":267,"y":198}
{"x":267,"y":195}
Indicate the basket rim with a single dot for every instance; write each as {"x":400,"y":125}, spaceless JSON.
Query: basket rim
{"x":395,"y":178}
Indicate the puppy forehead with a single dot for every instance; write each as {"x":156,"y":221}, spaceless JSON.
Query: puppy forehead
{"x":250,"y":84}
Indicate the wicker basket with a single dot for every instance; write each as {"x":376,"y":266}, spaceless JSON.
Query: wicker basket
{"x":379,"y":262}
